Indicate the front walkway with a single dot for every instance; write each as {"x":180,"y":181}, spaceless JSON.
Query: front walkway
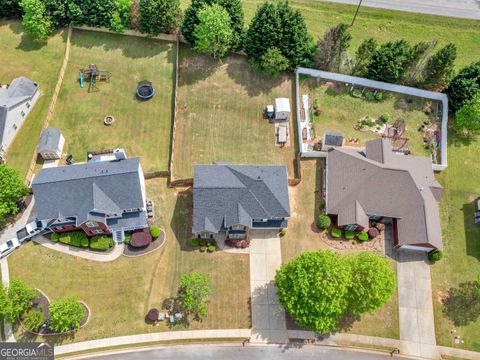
{"x":268,"y":316}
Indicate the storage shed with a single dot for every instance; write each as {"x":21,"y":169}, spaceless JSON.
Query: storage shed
{"x":282,"y":108}
{"x":51,"y":144}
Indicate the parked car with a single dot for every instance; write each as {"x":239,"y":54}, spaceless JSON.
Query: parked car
{"x":8,"y":247}
{"x":30,"y":230}
{"x":150,"y":208}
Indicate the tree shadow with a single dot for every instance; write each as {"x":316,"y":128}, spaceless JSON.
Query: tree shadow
{"x":458,"y":139}
{"x":194,"y":67}
{"x":472,"y":230}
{"x":181,"y":222}
{"x":462,"y":305}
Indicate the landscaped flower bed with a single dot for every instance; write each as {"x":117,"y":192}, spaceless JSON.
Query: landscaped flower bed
{"x":80,"y":239}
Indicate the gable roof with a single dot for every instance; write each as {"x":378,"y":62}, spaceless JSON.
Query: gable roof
{"x":92,"y":190}
{"x":226,"y":195}
{"x":385,"y":184}
{"x":49,"y":140}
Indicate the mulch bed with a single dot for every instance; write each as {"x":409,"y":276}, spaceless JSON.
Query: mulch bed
{"x":131,"y":251}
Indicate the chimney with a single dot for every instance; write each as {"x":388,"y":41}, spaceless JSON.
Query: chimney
{"x":120,"y":154}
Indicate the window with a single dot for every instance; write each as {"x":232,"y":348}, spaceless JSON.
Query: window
{"x":97,"y":231}
{"x":350,"y":227}
{"x":374,"y":217}
{"x":15,"y":126}
{"x":237,"y":227}
{"x":28,"y":105}
{"x":260,"y":220}
{"x":23,"y":113}
{"x":91,"y":224}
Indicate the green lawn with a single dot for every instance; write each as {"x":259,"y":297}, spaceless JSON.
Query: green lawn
{"x":461,"y":239}
{"x":220,"y":114}
{"x":120,"y":293}
{"x":39,"y":61}
{"x":142,"y":128}
{"x":340,"y":112}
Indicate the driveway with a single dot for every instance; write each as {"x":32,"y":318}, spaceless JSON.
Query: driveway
{"x":268,"y":316}
{"x":11,"y":230}
{"x":469,"y":9}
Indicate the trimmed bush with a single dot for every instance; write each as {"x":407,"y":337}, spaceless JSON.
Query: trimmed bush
{"x":370,"y":96}
{"x":155,"y":231}
{"x":33,"y":320}
{"x":195,"y":242}
{"x":211,"y":248}
{"x":128,"y":239}
{"x":323,"y":221}
{"x":141,"y":238}
{"x":85,"y":242}
{"x":202,"y":242}
{"x":283,"y":232}
{"x":356,"y":93}
{"x":73,"y":238}
{"x":336,"y":232}
{"x":362,"y":236}
{"x":384,"y":117}
{"x":349,"y":234}
{"x":152,"y":315}
{"x":373,"y":233}
{"x":101,"y":243}
{"x":379,"y":96}
{"x":212,"y":242}
{"x":54,"y":237}
{"x":435,"y":255}
{"x":203,"y":248}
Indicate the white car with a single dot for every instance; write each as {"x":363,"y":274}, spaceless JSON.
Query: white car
{"x":8,"y":247}
{"x":30,"y":230}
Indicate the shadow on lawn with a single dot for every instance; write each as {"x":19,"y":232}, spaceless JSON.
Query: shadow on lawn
{"x":462,"y":305}
{"x":181,"y":222}
{"x":25,"y":336}
{"x":194,"y":67}
{"x":472,"y":231}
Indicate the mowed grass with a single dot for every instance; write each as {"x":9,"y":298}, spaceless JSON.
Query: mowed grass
{"x":40,"y":61}
{"x":384,"y":25}
{"x":461,"y":240}
{"x":121,"y":292}
{"x":143,"y":128}
{"x":340,"y":112}
{"x":302,"y":235}
{"x":220,"y":114}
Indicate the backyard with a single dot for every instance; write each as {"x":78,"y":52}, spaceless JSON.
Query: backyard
{"x":220,"y":114}
{"x":340,"y":111}
{"x":39,"y":61}
{"x":143,"y":128}
{"x":121,"y":292}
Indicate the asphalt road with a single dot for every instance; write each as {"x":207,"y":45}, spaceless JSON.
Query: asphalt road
{"x":469,"y":9}
{"x":249,"y":352}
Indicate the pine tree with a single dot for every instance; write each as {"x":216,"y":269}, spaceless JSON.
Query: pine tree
{"x":363,"y":57}
{"x":390,"y":62}
{"x":440,"y":67}
{"x":464,"y":86}
{"x":153,"y":24}
{"x":331,"y":48}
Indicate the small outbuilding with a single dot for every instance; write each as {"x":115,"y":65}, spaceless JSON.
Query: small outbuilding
{"x":282,"y":109}
{"x":332,"y":139}
{"x":51,"y":144}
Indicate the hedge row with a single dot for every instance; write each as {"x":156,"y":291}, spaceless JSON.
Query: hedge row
{"x":80,"y":239}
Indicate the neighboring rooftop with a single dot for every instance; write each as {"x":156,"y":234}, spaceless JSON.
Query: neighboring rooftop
{"x":20,"y":89}
{"x":383,"y":183}
{"x":226,"y":195}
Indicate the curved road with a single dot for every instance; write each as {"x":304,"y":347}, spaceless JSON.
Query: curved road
{"x":249,"y":352}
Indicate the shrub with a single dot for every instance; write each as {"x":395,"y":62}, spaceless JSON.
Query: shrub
{"x":101,"y":243}
{"x":370,"y":96}
{"x":66,"y":314}
{"x":356,"y":93}
{"x":384,"y":117}
{"x":155,"y":231}
{"x":128,"y":239}
{"x":435,"y":255}
{"x":368,"y":121}
{"x":336,"y":232}
{"x":84,"y":242}
{"x":73,"y":238}
{"x":378,"y":96}
{"x":203,"y":248}
{"x":362,"y":236}
{"x":373,"y":233}
{"x":349,"y":234}
{"x":152,"y":315}
{"x":211,"y":248}
{"x":202,"y":242}
{"x":54,"y":237}
{"x":323,"y":221}
{"x":195,"y":242}
{"x":33,"y":320}
{"x":316,"y":104}
{"x":212,"y":242}
{"x":141,"y":238}
{"x":283,"y":232}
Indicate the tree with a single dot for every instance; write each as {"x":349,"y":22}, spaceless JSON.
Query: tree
{"x":12,"y":189}
{"x":373,"y":282}
{"x":278,"y":25}
{"x":33,"y":319}
{"x":332,"y":47}
{"x":194,"y":292}
{"x":464,"y":86}
{"x":15,"y":300}
{"x":363,"y":57}
{"x":35,"y":20}
{"x":153,"y":24}
{"x":66,"y":314}
{"x":5,"y":304}
{"x":234,"y":10}
{"x":440,"y":67}
{"x":10,"y":9}
{"x":273,"y":62}
{"x":467,"y":119}
{"x":313,"y":289}
{"x":213,"y":34}
{"x":121,"y":16}
{"x":477,"y":285}
{"x":57,"y":10}
{"x":95,"y":13}
{"x":390,"y":61}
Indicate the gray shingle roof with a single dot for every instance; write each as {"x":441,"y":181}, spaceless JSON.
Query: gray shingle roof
{"x":225,"y":195}
{"x":49,"y":140}
{"x":385,"y":184}
{"x":88,"y":190}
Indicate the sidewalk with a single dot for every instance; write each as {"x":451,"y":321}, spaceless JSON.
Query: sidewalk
{"x":9,"y":337}
{"x":11,"y":230}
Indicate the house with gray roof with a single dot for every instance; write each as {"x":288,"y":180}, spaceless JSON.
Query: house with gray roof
{"x":378,"y":183}
{"x":16,"y":102}
{"x":235,"y":200}
{"x":103,"y":197}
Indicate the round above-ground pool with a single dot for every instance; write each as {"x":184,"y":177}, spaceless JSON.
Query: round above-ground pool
{"x":145,"y":91}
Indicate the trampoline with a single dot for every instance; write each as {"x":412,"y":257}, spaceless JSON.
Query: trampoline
{"x":145,"y":90}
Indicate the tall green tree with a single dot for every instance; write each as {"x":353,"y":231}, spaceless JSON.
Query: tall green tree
{"x":194,"y":292}
{"x":12,"y":189}
{"x":467,"y":118}
{"x":332,"y":47}
{"x":10,"y":9}
{"x":15,"y":300}
{"x":159,"y":16}
{"x":373,"y":282}
{"x":278,"y":25}
{"x":464,"y":86}
{"x":35,"y":19}
{"x":66,"y":314}
{"x":313,"y":289}
{"x":95,"y":13}
{"x":57,"y":10}
{"x":213,"y":33}
{"x":440,"y":67}
{"x":363,"y":57}
{"x":273,"y":62}
{"x":234,"y":9}
{"x":120,"y":18}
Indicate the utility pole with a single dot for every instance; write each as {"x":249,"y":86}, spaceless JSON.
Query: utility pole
{"x":356,"y":12}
